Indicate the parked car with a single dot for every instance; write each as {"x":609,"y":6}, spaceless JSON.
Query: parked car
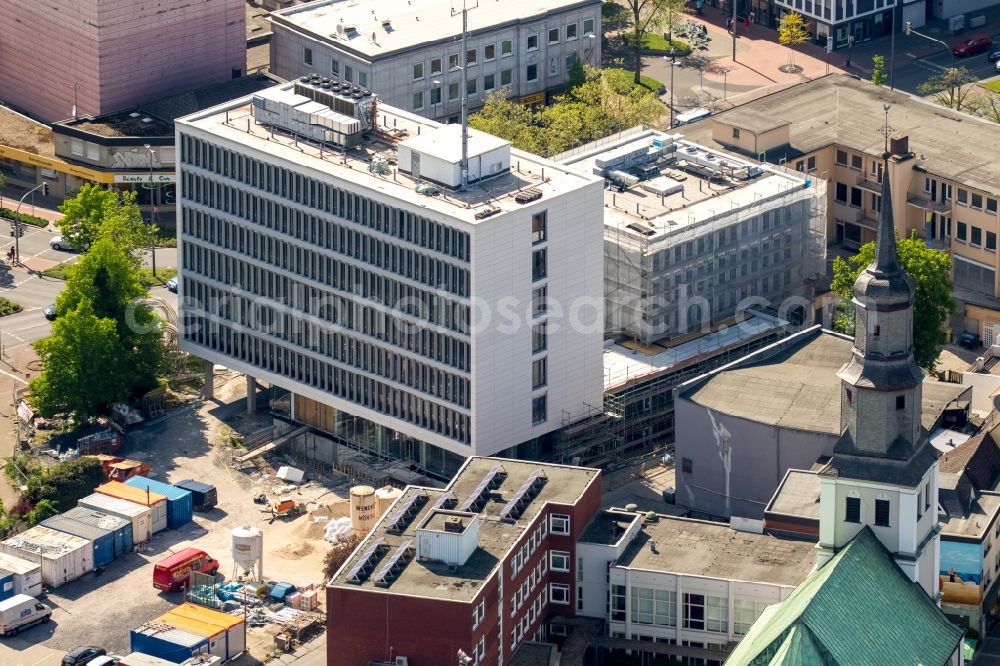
{"x":20,"y":612}
{"x":49,"y":311}
{"x":993,"y":55}
{"x":972,"y":45}
{"x":57,"y":243}
{"x":174,"y":571}
{"x":82,"y":655}
{"x":998,"y":65}
{"x":105,"y":660}
{"x":172,"y":285}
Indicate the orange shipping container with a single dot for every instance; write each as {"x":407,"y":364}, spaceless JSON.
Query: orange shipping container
{"x":156,"y":502}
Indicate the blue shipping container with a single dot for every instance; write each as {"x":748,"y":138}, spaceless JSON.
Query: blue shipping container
{"x":121,"y":529}
{"x":180,"y":504}
{"x":6,"y":585}
{"x":104,"y":542}
{"x":168,"y":643}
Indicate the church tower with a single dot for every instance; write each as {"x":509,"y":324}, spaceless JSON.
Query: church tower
{"x":884,"y":471}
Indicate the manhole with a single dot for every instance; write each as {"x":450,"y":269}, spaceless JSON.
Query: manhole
{"x":790,"y":69}
{"x":35,"y":366}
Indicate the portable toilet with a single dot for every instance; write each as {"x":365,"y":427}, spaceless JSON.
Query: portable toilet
{"x":26,"y":575}
{"x":120,"y":528}
{"x":139,"y":515}
{"x":156,"y":502}
{"x":180,"y":502}
{"x":104,"y":543}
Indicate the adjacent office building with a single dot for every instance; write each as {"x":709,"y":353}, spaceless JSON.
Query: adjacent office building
{"x":409,"y":53}
{"x":107,"y":55}
{"x":328,"y":249}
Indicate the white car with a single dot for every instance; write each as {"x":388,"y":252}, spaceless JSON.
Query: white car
{"x":57,"y":243}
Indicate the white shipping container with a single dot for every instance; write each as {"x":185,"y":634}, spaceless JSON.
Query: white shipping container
{"x":63,"y":557}
{"x":141,"y":516}
{"x":27,"y":574}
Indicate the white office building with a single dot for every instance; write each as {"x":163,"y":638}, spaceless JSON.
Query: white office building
{"x":328,"y":250}
{"x":410,"y":53}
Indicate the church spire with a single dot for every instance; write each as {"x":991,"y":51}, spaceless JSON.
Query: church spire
{"x":886,"y":259}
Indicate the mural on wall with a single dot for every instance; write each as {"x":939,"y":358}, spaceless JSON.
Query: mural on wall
{"x":961,"y":572}
{"x":722,"y":441}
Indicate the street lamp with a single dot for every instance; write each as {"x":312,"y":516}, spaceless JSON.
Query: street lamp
{"x":152,"y":208}
{"x":593,"y":48}
{"x":16,"y":222}
{"x":850,"y":47}
{"x":908,"y":30}
{"x":673,"y":63}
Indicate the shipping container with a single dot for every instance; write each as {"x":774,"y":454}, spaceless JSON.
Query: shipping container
{"x":139,"y":515}
{"x":102,"y":540}
{"x":63,"y":557}
{"x":120,"y":528}
{"x":140,"y":659}
{"x":6,"y":585}
{"x":205,"y":496}
{"x":205,"y":621}
{"x":27,"y":575}
{"x":167,"y":642}
{"x":156,"y":502}
{"x":180,"y":503}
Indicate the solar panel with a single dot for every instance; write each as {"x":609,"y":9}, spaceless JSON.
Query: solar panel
{"x":486,"y":484}
{"x":397,"y":560}
{"x":404,"y":513}
{"x":447,"y":498}
{"x":358,"y":573}
{"x":520,"y":499}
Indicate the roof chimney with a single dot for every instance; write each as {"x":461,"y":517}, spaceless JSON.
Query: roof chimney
{"x":899,"y":145}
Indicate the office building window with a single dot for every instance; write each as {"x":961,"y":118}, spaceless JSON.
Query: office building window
{"x":335,"y":67}
{"x":489,"y":52}
{"x":538,"y":410}
{"x":856,"y":162}
{"x":571,"y":31}
{"x":471,"y":57}
{"x":745,"y":613}
{"x":704,"y":613}
{"x":532,"y":73}
{"x":553,"y":35}
{"x":657,"y":607}
{"x":363,"y":79}
{"x":489,"y":82}
{"x":539,"y":337}
{"x":538,"y":224}
{"x":539,"y":268}
{"x":559,"y":524}
{"x":991,"y":241}
{"x":452,"y":91}
{"x":307,"y":57}
{"x":963,"y":196}
{"x":453,"y":61}
{"x":977,"y":236}
{"x":435,"y":66}
{"x":588,"y":26}
{"x":436,"y":95}
{"x":539,"y":370}
{"x":852,"y":510}
{"x":418,"y":71}
{"x":882,"y":512}
{"x":991,"y":205}
{"x":418,"y":101}
{"x":538,"y":300}
{"x":532,"y":42}
{"x":841,"y":157}
{"x":506,"y":76}
{"x":349,"y":73}
{"x":559,"y":560}
{"x":977,"y":200}
{"x":471,"y":86}
{"x":841,"y":194}
{"x":856,"y":197}
{"x":618,"y":602}
{"x":558,"y":593}
{"x":962,"y":231}
{"x":506,"y":48}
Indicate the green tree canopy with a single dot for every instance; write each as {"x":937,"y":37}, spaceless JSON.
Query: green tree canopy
{"x":792,"y":31}
{"x":951,"y":88}
{"x":879,"y":76}
{"x":931,"y":271}
{"x":95,"y":211}
{"x":62,"y":485}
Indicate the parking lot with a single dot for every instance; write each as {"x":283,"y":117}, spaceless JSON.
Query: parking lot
{"x":102,"y":607}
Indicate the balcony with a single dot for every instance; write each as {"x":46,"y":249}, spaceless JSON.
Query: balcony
{"x":845,"y":213}
{"x":926,"y":205}
{"x":871,"y":186}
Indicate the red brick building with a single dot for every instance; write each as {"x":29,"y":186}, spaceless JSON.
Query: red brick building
{"x":479,"y":566}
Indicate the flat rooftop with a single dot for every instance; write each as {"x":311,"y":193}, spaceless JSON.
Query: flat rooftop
{"x":410,"y":24}
{"x":798,"y":387}
{"x":974,"y":524}
{"x":849,"y":112}
{"x":798,"y":495}
{"x":564,"y":485}
{"x":701,"y":548}
{"x":625,"y":364}
{"x":23,"y":133}
{"x":608,"y":527}
{"x":234,"y":122}
{"x":703,"y":184}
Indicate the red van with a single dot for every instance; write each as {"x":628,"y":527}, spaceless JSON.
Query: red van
{"x":172,"y":572}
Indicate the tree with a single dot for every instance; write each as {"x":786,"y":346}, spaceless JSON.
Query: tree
{"x":84,"y":365}
{"x":647,"y":17}
{"x":879,"y":77}
{"x":94,"y":209}
{"x":338,"y":554}
{"x":576,"y":74}
{"x":673,"y":12}
{"x":62,"y":485}
{"x":985,"y":104}
{"x":950,"y":88}
{"x":931,"y":271}
{"x":3,"y":184}
{"x":792,"y":31}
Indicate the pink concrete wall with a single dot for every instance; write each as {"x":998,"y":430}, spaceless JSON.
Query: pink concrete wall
{"x":119,"y":53}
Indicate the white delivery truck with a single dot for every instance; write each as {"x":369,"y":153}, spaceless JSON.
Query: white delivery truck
{"x":20,"y":612}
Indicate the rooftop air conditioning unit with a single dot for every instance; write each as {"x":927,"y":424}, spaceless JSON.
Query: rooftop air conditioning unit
{"x":402,"y":661}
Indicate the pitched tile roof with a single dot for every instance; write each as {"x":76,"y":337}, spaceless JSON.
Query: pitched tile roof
{"x":979,"y":457}
{"x":859,"y":609}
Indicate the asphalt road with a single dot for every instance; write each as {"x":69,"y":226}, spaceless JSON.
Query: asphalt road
{"x":910,"y":72}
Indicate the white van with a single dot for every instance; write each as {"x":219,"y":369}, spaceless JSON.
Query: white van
{"x":691,"y":116}
{"x":20,"y":612}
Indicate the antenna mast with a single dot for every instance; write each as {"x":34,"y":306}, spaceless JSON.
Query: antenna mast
{"x":464,"y":167}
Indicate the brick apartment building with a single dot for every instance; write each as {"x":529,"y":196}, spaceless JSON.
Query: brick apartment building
{"x":106,"y":55}
{"x":479,"y":566}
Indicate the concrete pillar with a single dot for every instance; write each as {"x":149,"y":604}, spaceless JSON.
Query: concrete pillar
{"x":209,"y":380}
{"x":251,"y":395}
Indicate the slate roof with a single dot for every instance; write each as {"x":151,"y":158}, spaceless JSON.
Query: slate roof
{"x":978,"y":457}
{"x":859,"y":609}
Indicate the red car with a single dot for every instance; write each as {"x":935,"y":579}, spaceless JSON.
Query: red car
{"x":974,"y":44}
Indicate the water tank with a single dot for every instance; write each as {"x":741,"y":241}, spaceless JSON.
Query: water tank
{"x":363,"y":509}
{"x":386,"y":496}
{"x":248,"y":550}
